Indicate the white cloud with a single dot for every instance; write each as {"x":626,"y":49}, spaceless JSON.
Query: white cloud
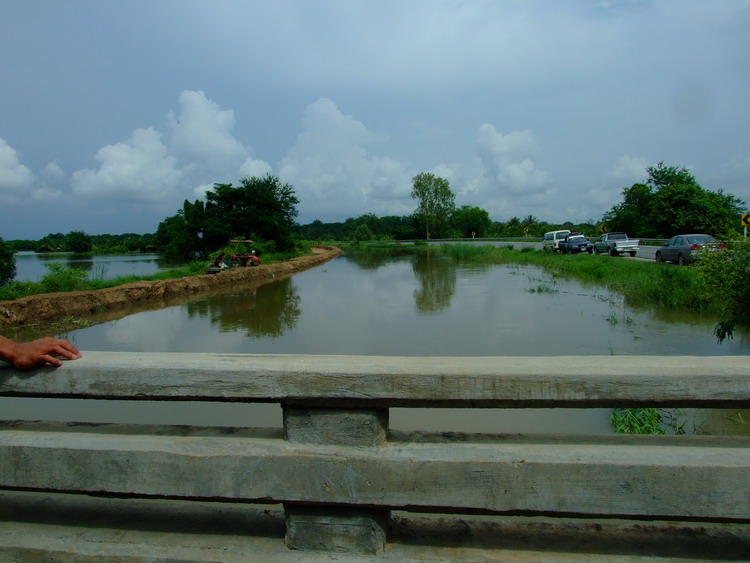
{"x":15,"y":178}
{"x":54,"y":171}
{"x":139,"y":169}
{"x":201,"y":151}
{"x":202,"y":131}
{"x":46,"y":195}
{"x":253,"y":167}
{"x":630,"y":168}
{"x":200,"y":191}
{"x":331,"y":169}
{"x":506,"y":160}
{"x":202,"y":139}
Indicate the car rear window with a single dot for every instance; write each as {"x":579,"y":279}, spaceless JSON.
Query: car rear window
{"x":699,"y":239}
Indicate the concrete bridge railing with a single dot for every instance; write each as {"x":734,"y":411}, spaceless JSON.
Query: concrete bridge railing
{"x":339,"y":471}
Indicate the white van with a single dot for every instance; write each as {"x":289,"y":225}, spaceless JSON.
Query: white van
{"x":552,"y":239}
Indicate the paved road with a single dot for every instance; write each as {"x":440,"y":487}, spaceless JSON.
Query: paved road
{"x":645,"y":252}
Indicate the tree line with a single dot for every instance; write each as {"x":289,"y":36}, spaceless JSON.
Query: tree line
{"x":670,"y":201}
{"x":80,"y":243}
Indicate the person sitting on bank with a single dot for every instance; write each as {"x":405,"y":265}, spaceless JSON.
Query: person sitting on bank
{"x":37,"y":353}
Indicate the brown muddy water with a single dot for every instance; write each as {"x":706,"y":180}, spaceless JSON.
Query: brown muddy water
{"x":401,"y":303}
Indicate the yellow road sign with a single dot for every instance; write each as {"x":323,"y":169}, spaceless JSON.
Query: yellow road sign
{"x":745,"y":220}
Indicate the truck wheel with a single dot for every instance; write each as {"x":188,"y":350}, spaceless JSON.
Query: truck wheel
{"x":613,"y":252}
{"x":590,"y":251}
{"x":632,"y":253}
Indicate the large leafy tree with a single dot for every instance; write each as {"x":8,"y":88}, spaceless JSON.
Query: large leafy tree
{"x":436,"y":202}
{"x":78,"y":241}
{"x":174,"y":240}
{"x":469,"y":219}
{"x":671,"y":201}
{"x":260,"y":207}
{"x":53,"y":242}
{"x":7,"y":263}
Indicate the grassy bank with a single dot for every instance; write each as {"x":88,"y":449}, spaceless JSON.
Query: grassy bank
{"x":62,"y":278}
{"x":638,"y":281}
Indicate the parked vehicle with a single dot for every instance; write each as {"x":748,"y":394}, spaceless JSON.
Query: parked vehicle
{"x":552,"y":239}
{"x":684,"y":249}
{"x":241,"y":255}
{"x":575,"y":243}
{"x":615,"y":244}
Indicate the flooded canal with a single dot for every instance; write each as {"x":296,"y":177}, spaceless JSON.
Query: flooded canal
{"x":32,"y":267}
{"x":404,"y":303}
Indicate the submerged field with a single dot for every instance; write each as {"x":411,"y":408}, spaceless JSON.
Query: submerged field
{"x":639,"y":282}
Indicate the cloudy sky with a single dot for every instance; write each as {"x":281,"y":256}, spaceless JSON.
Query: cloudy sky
{"x":112,"y":113}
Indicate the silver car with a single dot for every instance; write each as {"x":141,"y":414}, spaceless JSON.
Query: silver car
{"x":684,"y":249}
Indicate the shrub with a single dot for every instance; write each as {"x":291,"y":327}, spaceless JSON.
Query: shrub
{"x":61,"y":278}
{"x":7,"y":263}
{"x":726,"y":275}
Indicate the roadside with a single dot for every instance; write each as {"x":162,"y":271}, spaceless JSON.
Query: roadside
{"x":51,"y":307}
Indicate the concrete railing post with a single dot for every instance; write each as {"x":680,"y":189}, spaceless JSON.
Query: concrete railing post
{"x":340,"y":529}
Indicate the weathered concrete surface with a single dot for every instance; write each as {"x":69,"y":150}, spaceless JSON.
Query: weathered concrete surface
{"x":55,"y":306}
{"x":343,"y":427}
{"x":41,"y":527}
{"x":334,"y":465}
{"x":664,"y":477}
{"x":334,"y":528}
{"x":562,"y":381}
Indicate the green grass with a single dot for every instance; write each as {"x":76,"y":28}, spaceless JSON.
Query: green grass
{"x":638,"y":281}
{"x":637,"y":421}
{"x":61,"y":278}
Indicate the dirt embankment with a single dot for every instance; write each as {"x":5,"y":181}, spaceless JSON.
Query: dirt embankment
{"x":51,"y":307}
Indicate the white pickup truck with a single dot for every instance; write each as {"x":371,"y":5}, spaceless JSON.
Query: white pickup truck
{"x":616,"y":243}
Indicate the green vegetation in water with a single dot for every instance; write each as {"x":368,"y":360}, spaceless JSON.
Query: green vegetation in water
{"x":638,"y":281}
{"x":637,"y":421}
{"x":543,"y":289}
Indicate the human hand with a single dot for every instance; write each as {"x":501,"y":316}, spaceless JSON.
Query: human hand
{"x":42,"y":351}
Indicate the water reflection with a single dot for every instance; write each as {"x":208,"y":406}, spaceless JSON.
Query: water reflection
{"x":266,"y":311}
{"x":374,"y":258}
{"x":437,"y":283}
{"x":408,"y":302}
{"x":33,"y":267}
{"x":411,"y":304}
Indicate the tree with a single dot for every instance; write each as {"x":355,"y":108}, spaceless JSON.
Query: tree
{"x":53,"y":242}
{"x":78,"y":242}
{"x":671,"y":201}
{"x":362,"y":233}
{"x":174,"y":240}
{"x":261,"y":206}
{"x":660,"y":176}
{"x":258,"y":207}
{"x":513,"y":228}
{"x":469,"y":219}
{"x":436,"y":202}
{"x":7,"y":263}
{"x":632,"y":215}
